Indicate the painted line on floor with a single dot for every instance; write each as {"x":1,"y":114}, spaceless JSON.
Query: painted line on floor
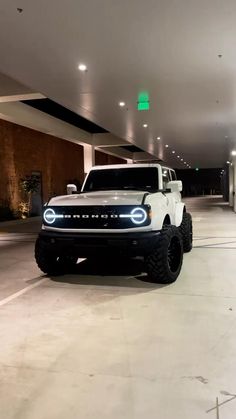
{"x":217,"y":245}
{"x":213,"y":237}
{"x":220,"y":404}
{"x":6,"y":233}
{"x":21,"y":292}
{"x":214,"y":247}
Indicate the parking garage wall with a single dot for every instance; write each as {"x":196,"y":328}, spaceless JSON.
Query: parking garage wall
{"x":103,"y":159}
{"x":200,"y":182}
{"x":23,"y":151}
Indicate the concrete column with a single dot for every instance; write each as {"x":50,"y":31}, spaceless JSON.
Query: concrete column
{"x":234,"y":187}
{"x":231,"y":186}
{"x":89,"y":157}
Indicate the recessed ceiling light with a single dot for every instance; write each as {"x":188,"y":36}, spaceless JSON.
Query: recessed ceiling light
{"x":228,"y":162}
{"x":173,"y":152}
{"x":145,"y":125}
{"x":185,"y":162}
{"x":178,"y":157}
{"x":182,"y":159}
{"x":166,"y":146}
{"x":158,"y":138}
{"x":82,"y":67}
{"x":122,"y":104}
{"x":233,"y":153}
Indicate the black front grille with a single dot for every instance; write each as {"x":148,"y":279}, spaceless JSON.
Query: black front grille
{"x":93,"y":217}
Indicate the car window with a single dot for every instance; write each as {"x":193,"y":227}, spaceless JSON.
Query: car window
{"x":136,"y":178}
{"x":165,"y":177}
{"x":173,"y":175}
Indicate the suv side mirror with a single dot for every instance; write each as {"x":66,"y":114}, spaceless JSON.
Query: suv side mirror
{"x":175,"y":186}
{"x":71,"y":188}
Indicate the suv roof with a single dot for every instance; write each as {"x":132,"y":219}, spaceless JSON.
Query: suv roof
{"x":130,"y":165}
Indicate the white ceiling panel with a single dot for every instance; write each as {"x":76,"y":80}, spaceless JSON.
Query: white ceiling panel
{"x":168,"y":48}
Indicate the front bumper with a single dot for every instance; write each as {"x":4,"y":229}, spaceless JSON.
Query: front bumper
{"x":92,"y":244}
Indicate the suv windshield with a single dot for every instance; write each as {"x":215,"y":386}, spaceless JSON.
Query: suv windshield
{"x":137,"y":178}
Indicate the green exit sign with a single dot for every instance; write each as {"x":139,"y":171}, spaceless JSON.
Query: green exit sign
{"x":143,"y":106}
{"x":143,"y":101}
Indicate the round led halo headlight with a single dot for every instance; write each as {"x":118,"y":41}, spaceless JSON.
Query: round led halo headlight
{"x":49,"y":216}
{"x":138,"y":215}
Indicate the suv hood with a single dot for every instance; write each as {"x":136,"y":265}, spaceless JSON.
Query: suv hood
{"x":100,"y":198}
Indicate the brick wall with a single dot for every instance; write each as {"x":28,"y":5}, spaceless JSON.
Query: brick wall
{"x":23,"y":151}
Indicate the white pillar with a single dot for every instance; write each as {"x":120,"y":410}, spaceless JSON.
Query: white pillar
{"x":234,"y":183}
{"x":89,"y":157}
{"x":231,"y":186}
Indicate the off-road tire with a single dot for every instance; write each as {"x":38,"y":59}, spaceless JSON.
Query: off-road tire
{"x":186,"y":231}
{"x":68,"y":262}
{"x":163,"y":265}
{"x":47,"y":261}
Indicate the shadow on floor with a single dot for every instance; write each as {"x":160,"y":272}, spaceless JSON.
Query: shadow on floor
{"x":207,"y":203}
{"x":125,"y":273}
{"x":28,"y":226}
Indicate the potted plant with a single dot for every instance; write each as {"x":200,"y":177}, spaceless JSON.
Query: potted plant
{"x":29,"y":185}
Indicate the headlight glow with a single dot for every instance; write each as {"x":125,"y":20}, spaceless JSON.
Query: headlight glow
{"x":138,"y":215}
{"x":76,"y":217}
{"x":50,"y":216}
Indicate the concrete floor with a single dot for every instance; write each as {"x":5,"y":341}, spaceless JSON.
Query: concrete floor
{"x":107,"y":343}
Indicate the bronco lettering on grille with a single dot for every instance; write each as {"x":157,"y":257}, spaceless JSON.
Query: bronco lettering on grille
{"x":92,"y":216}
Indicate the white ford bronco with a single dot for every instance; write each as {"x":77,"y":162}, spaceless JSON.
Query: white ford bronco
{"x":130,"y":210}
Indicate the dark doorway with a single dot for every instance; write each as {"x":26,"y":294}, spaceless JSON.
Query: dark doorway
{"x":37,"y":201}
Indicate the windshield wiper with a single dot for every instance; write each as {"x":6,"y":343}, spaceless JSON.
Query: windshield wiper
{"x":135,"y":188}
{"x":119,"y":188}
{"x":103,"y":188}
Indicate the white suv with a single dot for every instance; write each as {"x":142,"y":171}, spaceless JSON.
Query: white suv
{"x":122,"y":210}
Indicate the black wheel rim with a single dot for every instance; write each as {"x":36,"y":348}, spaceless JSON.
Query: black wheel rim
{"x":174,"y":254}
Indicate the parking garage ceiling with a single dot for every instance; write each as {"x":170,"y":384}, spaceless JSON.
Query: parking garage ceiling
{"x":180,"y":53}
